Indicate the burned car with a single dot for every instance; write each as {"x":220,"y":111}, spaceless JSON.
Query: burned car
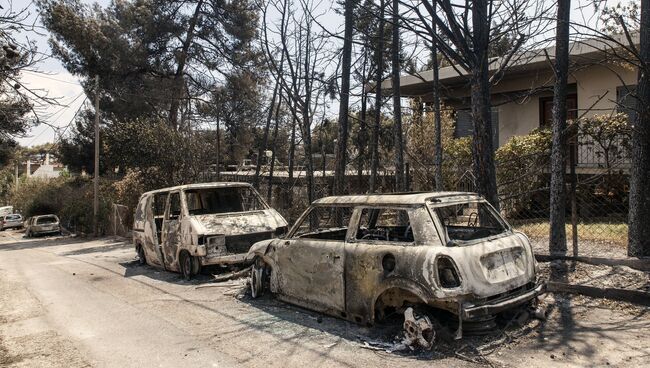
{"x":187,"y":227}
{"x":364,"y":257}
{"x":42,"y":225}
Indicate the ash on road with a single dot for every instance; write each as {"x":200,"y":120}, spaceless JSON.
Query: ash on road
{"x":76,"y":303}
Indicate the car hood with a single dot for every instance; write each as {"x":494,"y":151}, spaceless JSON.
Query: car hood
{"x":238,"y":223}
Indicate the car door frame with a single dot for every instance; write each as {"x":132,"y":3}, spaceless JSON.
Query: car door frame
{"x":169,"y":252}
{"x":153,"y":251}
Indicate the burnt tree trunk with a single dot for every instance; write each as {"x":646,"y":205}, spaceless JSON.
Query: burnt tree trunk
{"x":482,"y":142}
{"x":218,"y":149}
{"x":180,"y":68}
{"x":265,"y":139}
{"x":436,"y":114}
{"x":362,"y":136}
{"x":400,"y":179}
{"x":639,"y":216}
{"x":342,"y":143}
{"x":274,"y":145}
{"x":374,"y":143}
{"x":291,"y":161}
{"x":557,"y":231}
{"x":306,"y":122}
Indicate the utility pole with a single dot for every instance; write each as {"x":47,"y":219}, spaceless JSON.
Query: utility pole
{"x":96,"y":172}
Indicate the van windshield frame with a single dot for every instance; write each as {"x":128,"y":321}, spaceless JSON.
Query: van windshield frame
{"x":220,"y":200}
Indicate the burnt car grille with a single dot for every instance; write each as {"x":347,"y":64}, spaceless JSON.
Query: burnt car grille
{"x":510,"y":293}
{"x":241,"y":243}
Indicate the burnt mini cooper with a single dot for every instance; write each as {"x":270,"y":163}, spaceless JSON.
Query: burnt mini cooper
{"x":362,"y":257}
{"x":187,"y":227}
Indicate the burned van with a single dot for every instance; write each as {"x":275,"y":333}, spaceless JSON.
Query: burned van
{"x":364,"y":257}
{"x":187,"y":227}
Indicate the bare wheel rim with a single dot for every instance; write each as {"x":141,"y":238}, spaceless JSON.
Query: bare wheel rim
{"x":187,"y":267}
{"x":141,"y":256}
{"x":256,"y":281}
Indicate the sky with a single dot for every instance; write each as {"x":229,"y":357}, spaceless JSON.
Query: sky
{"x":51,"y":79}
{"x":55,"y":81}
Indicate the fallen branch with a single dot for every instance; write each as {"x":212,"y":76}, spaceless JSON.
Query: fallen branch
{"x":232,"y":275}
{"x":637,"y":264}
{"x":631,"y":296}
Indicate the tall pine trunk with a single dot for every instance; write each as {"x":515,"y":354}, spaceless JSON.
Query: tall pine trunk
{"x":639,"y":216}
{"x":342,"y":143}
{"x":178,"y":82}
{"x":557,"y":235}
{"x":362,"y":136}
{"x":400,"y":178}
{"x":374,"y":143}
{"x":436,"y":114}
{"x":482,"y":142}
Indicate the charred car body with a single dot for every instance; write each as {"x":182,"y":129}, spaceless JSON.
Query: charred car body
{"x":186,"y":227}
{"x":361,"y":257}
{"x":42,"y":225}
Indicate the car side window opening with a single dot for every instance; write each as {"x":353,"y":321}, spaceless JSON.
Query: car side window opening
{"x":325,"y":222}
{"x":222,"y":200}
{"x":470,"y":221}
{"x":174,"y":206}
{"x":140,"y":210}
{"x":159,"y":203}
{"x":385,"y":224}
{"x":46,"y":220}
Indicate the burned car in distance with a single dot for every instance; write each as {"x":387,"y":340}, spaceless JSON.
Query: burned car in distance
{"x":363,"y":257}
{"x":187,"y":227}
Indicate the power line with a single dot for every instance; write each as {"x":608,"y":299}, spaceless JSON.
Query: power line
{"x":51,"y":78}
{"x":66,"y":126}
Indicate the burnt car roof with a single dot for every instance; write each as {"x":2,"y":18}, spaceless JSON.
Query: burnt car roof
{"x":412,"y":198}
{"x":200,"y":186}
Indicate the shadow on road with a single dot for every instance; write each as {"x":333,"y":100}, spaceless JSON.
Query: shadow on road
{"x":134,"y":268}
{"x":40,"y":242}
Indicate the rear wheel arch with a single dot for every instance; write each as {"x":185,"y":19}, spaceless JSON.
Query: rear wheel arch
{"x":395,"y":294}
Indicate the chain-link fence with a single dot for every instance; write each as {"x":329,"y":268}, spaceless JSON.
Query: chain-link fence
{"x":597,"y":175}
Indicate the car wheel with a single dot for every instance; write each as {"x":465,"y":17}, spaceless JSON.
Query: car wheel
{"x":196,"y":266}
{"x":258,"y":278}
{"x":142,"y":258}
{"x":185,"y":263}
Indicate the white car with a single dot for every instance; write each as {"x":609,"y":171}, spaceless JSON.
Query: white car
{"x":13,"y":221}
{"x":364,"y":257}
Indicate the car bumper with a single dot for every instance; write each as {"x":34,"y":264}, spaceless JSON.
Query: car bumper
{"x":223,"y":260}
{"x":469,"y":311}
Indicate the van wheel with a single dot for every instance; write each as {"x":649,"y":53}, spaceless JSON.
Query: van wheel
{"x":142,"y":258}
{"x":258,"y":278}
{"x":186,"y":265}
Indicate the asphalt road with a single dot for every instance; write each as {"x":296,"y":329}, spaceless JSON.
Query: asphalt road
{"x":73,"y":303}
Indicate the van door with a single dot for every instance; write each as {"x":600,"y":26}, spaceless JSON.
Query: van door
{"x":171,"y":230}
{"x":151,"y":247}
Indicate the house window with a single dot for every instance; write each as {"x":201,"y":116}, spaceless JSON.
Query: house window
{"x":465,"y":126}
{"x":625,"y":100}
{"x":546,"y":109}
